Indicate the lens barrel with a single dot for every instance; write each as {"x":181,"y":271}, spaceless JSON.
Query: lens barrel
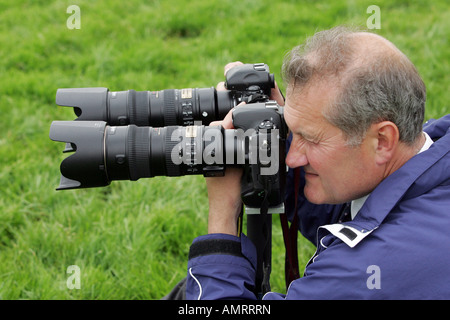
{"x":147,"y":108}
{"x":105,"y":153}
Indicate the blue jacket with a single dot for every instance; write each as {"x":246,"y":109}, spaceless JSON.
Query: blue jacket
{"x":397,"y":247}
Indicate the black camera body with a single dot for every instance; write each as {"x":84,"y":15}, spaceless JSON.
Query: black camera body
{"x":130,"y":135}
{"x":263,"y":181}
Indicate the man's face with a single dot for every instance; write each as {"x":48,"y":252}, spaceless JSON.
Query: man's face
{"x":334,"y":171}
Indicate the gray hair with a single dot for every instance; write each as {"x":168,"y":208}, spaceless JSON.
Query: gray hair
{"x":373,"y":88}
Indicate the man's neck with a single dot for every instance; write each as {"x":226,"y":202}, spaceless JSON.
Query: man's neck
{"x":423,"y":145}
{"x":403,"y":153}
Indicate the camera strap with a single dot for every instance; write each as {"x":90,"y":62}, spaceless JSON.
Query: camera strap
{"x":290,"y":236}
{"x":267,"y":236}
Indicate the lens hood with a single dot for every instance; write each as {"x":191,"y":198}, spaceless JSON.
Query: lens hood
{"x":86,"y":167}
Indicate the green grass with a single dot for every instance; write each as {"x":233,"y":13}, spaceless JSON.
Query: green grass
{"x":131,"y":239}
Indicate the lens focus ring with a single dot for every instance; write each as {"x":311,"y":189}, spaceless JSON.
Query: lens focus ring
{"x":170,"y":115}
{"x":138,"y":150}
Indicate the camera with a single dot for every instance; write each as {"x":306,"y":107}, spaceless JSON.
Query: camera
{"x":128,"y":135}
{"x":246,"y":83}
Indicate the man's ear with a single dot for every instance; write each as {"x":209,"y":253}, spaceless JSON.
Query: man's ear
{"x":387,"y":137}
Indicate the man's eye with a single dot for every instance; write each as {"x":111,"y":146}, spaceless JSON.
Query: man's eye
{"x":300,"y":140}
{"x":308,"y":140}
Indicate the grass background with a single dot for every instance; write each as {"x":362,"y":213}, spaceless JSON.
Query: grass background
{"x":131,"y":239}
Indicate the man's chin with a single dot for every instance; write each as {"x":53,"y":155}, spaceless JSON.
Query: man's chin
{"x":319,"y":198}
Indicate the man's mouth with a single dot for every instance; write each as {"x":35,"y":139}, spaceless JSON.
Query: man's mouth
{"x":310,"y":174}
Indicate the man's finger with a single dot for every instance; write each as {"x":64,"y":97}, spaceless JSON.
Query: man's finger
{"x":231,"y":65}
{"x":275,"y":94}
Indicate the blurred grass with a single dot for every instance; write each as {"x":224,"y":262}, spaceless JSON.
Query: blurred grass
{"x":131,"y":239}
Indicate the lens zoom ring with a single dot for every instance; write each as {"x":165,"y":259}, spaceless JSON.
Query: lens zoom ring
{"x":173,"y":170}
{"x":138,"y":150}
{"x":170,"y":115}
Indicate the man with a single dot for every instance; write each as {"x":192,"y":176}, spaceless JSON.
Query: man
{"x":355,"y":108}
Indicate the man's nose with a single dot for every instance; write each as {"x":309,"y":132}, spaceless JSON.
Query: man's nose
{"x":296,"y":157}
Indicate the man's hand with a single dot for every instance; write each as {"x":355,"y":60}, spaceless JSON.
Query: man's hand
{"x":224,"y":193}
{"x":275,"y":94}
